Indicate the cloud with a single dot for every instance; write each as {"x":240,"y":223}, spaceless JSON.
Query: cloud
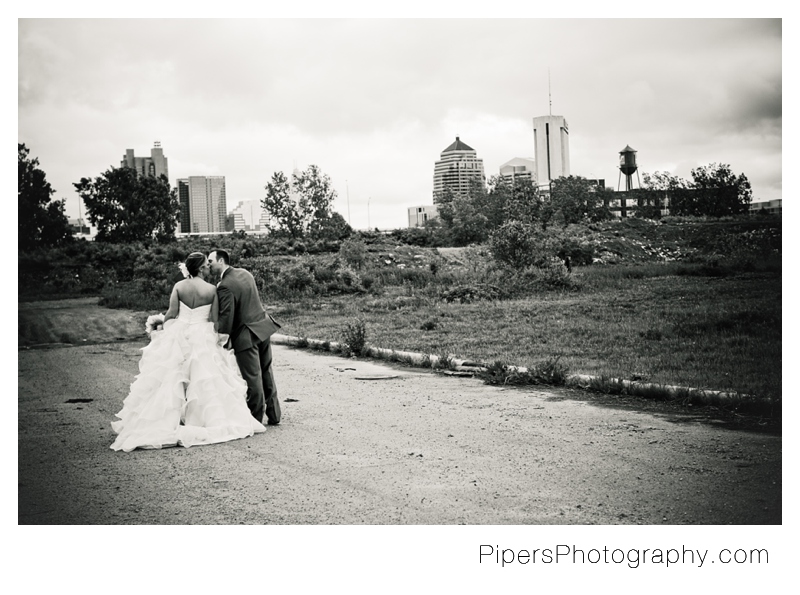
{"x":374,"y":101}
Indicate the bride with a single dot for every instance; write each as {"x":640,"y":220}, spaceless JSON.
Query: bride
{"x":189,"y":390}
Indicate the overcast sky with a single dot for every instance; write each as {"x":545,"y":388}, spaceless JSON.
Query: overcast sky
{"x":374,"y":102}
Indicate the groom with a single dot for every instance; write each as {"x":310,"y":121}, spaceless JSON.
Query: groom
{"x":242,"y":316}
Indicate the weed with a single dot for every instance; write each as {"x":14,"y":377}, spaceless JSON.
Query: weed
{"x":651,"y":334}
{"x":444,"y":361}
{"x":428,"y":325}
{"x":354,"y":336}
{"x":550,"y":372}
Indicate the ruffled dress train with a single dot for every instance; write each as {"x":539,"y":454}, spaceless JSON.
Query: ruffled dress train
{"x":188,"y":392}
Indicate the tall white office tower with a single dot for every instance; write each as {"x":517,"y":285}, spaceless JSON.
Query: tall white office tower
{"x":551,"y":146}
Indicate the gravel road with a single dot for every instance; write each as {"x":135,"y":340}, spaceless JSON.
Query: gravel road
{"x":415,"y":448}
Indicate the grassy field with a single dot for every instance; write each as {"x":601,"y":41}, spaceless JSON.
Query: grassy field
{"x":721,"y":333}
{"x":693,"y":303}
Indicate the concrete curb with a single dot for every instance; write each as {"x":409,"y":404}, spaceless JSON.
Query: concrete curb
{"x":582,"y":381}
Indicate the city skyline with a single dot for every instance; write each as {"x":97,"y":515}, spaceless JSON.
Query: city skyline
{"x":374,"y":113}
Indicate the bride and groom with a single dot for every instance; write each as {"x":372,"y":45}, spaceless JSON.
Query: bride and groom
{"x":207,"y":376}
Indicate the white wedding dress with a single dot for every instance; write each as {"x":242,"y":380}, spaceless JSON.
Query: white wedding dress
{"x":189,"y":390}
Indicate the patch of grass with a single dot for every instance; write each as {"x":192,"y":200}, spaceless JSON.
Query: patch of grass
{"x":716,"y":333}
{"x":550,"y":373}
{"x":133,"y":296}
{"x":651,"y":334}
{"x":607,"y":385}
{"x":444,"y":361}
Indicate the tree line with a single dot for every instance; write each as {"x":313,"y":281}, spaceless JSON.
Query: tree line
{"x":474,"y":216}
{"x":127,"y":207}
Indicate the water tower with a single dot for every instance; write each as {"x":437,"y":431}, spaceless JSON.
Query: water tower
{"x":627,"y":166}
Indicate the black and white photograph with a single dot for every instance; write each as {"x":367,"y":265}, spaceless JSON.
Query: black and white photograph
{"x":498,"y":298}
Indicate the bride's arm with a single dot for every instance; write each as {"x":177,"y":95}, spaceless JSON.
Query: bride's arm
{"x":174,"y":306}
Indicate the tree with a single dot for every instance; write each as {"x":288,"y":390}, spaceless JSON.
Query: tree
{"x":523,"y":203}
{"x":126,"y":207}
{"x":660,"y":189}
{"x":662,"y":181}
{"x":468,"y":224}
{"x":283,"y":211}
{"x":309,"y":210}
{"x":40,"y":222}
{"x":721,"y":191}
{"x":464,"y":214}
{"x":332,"y":228}
{"x":574,"y":198}
{"x":714,"y":191}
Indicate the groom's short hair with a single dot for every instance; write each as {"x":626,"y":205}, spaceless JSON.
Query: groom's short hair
{"x":223,"y":256}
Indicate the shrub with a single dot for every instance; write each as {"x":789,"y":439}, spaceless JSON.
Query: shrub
{"x":579,"y":253}
{"x":354,"y":252}
{"x":552,"y":275}
{"x":348,"y":280}
{"x":415,"y":277}
{"x":354,"y":336}
{"x":297,"y":277}
{"x":466,"y":294}
{"x":324,"y":274}
{"x":515,"y":244}
{"x":368,"y":282}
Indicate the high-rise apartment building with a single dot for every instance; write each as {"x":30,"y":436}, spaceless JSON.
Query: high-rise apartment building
{"x":203,"y":206}
{"x":155,"y":165}
{"x":518,"y":169}
{"x":457,"y":169}
{"x":551,"y":146}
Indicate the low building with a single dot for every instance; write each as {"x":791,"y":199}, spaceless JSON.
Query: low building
{"x":81,"y":229}
{"x":519,"y":168}
{"x":417,"y":216}
{"x":774,"y":206}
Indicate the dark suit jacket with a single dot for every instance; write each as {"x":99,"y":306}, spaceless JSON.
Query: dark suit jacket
{"x":241,"y":314}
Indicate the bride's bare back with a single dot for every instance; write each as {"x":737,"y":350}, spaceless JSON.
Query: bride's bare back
{"x":194,"y":292}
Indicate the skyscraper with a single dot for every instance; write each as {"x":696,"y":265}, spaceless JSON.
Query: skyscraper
{"x":155,"y":165}
{"x":458,"y":167}
{"x":551,"y":146}
{"x":202,"y":198}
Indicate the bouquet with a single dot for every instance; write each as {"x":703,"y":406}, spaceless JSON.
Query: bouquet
{"x":154,"y":323}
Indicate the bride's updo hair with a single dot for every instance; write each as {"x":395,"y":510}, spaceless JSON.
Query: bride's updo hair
{"x":194,"y":262}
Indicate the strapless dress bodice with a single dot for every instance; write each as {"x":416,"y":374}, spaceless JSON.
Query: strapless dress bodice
{"x":194,"y":315}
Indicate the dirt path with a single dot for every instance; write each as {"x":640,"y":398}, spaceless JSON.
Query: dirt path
{"x":419,"y":448}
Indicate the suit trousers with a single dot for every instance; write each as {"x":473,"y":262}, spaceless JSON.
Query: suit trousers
{"x":255,"y":363}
